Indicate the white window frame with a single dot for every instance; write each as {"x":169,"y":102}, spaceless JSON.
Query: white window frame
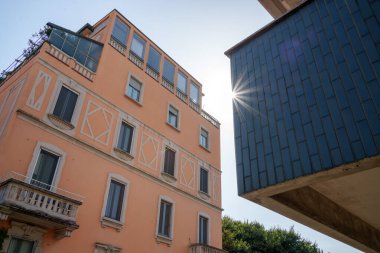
{"x":132,"y":122}
{"x":109,"y":222}
{"x":205,"y":215}
{"x":208,"y":148}
{"x":130,"y":76}
{"x":74,"y":87}
{"x":167,"y":177}
{"x":25,"y":232}
{"x":58,"y":170}
{"x":178,"y":117}
{"x":162,"y":238}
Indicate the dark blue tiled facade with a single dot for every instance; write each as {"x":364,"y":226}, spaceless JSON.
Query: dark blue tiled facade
{"x":314,"y":93}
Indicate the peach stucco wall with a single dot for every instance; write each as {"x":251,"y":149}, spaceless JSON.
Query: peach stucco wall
{"x":89,"y":149}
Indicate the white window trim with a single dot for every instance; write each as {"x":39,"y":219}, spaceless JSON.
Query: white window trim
{"x":25,"y":232}
{"x":51,"y":149}
{"x":109,"y":222}
{"x":162,"y":238}
{"x":178,"y":128}
{"x":205,"y":215}
{"x":208,"y":148}
{"x":74,"y":87}
{"x":164,"y":175}
{"x":130,"y":75}
{"x":135,"y":124}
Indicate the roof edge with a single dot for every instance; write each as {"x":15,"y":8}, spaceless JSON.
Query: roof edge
{"x":265,"y":28}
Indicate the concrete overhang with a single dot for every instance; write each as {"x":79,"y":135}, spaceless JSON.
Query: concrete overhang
{"x":343,"y":202}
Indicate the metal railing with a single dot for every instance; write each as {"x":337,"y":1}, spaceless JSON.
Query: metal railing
{"x":201,"y":248}
{"x":23,"y":58}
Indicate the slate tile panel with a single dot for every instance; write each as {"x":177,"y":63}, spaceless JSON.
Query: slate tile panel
{"x":314,"y":82}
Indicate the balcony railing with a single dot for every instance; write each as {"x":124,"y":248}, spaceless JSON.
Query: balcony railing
{"x":210,"y":118}
{"x":135,"y":59}
{"x":153,"y":73}
{"x":181,"y":95}
{"x":194,"y":105}
{"x":24,"y":201}
{"x":168,"y":85}
{"x":201,"y":248}
{"x":118,"y":46}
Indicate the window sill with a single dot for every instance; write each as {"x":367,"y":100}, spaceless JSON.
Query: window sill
{"x":204,"y":195}
{"x":108,"y":222}
{"x":134,"y":101}
{"x":60,"y":123}
{"x":168,"y":178}
{"x":207,"y":149}
{"x":175,"y":128}
{"x":123,"y":154}
{"x":163,"y":239}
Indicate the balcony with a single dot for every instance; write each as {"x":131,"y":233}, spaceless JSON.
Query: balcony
{"x":33,"y":204}
{"x":201,"y":248}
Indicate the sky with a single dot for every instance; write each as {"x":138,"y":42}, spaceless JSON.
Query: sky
{"x":195,"y":34}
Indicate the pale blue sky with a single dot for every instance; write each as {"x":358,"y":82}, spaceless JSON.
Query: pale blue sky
{"x":196,"y":34}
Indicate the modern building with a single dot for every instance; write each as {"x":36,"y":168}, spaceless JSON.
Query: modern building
{"x":104,"y":147}
{"x":307,"y":116}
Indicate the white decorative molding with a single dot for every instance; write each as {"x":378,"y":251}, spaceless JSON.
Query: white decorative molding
{"x":37,"y":96}
{"x":8,"y":104}
{"x":25,"y":232}
{"x":187,"y":165}
{"x":88,"y":126}
{"x":106,"y":248}
{"x":148,"y":140}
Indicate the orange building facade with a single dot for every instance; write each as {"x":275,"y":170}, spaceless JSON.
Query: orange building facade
{"x":104,"y":147}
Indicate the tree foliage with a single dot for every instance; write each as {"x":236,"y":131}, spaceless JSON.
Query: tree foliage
{"x":252,"y":237}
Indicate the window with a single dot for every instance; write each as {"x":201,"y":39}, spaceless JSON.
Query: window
{"x":182,"y":83}
{"x":65,"y":105}
{"x":154,"y":59}
{"x":45,"y":169}
{"x":18,"y":245}
{"x":84,"y":51}
{"x":203,"y":180}
{"x":115,"y":200}
{"x":173,"y":116}
{"x":168,"y":74}
{"x":203,"y":230}
{"x":125,"y":137}
{"x":169,"y":162}
{"x":165,"y":219}
{"x":134,"y":89}
{"x":194,"y":93}
{"x":138,"y":46}
{"x":204,"y":138}
{"x":100,"y":27}
{"x":120,"y":32}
